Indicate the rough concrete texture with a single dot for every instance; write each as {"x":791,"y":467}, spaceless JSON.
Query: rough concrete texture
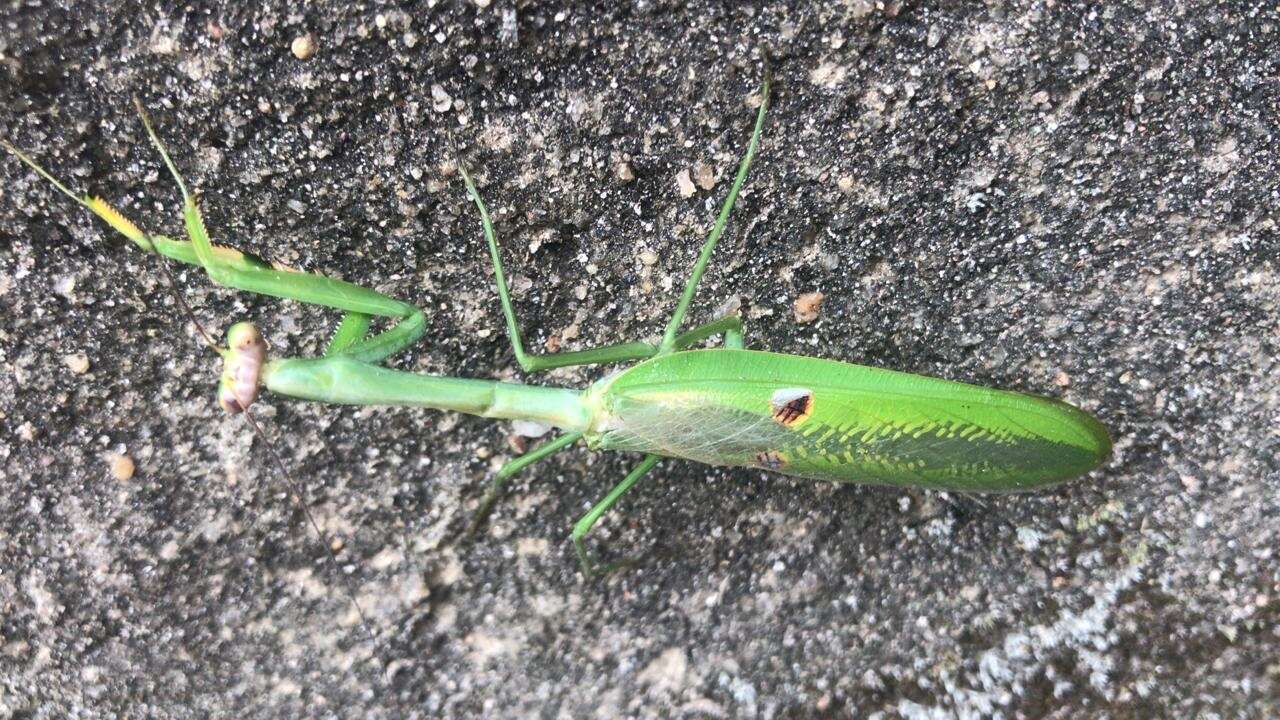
{"x":1073,"y":199}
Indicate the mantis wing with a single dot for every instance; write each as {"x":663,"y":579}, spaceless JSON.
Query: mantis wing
{"x":835,"y":421}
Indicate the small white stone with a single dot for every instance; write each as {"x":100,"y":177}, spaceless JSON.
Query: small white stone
{"x":303,"y":46}
{"x":78,"y":363}
{"x":170,"y":550}
{"x":440,"y":100}
{"x":685,"y":183}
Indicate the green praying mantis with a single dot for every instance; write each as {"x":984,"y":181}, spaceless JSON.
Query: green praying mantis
{"x":728,"y":406}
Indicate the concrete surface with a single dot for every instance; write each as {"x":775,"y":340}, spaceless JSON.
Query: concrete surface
{"x":1074,"y":199}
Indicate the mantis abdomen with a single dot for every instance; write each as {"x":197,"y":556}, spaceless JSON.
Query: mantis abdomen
{"x":836,"y":421}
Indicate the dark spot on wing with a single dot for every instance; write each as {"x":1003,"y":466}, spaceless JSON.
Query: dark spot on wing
{"x":770,"y":460}
{"x":790,"y":406}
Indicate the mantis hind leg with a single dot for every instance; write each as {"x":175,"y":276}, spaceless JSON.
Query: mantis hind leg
{"x":584,"y":525}
{"x":731,"y":327}
{"x":529,"y":362}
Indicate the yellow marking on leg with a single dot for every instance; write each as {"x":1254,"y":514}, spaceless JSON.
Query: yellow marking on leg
{"x":119,"y":222}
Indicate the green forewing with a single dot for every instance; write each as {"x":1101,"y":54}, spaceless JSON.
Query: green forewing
{"x":830,"y":420}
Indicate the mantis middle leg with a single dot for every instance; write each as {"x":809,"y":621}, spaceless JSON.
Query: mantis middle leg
{"x":506,"y":472}
{"x":533,"y":363}
{"x":730,"y":327}
{"x":632,"y":350}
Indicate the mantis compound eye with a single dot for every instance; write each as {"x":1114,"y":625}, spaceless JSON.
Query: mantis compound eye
{"x":242,"y":365}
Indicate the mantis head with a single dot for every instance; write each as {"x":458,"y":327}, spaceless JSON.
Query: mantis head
{"x":242,"y":364}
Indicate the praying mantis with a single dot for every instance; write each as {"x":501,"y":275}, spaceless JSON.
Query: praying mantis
{"x":728,"y":406}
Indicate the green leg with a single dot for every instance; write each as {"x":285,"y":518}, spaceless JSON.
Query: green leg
{"x":303,"y":287}
{"x":673,"y":327}
{"x":620,"y":352}
{"x":584,"y":525}
{"x":730,"y":325}
{"x":735,"y":340}
{"x":533,"y":363}
{"x":351,"y":330}
{"x":232,"y":268}
{"x":349,"y":339}
{"x":509,"y":470}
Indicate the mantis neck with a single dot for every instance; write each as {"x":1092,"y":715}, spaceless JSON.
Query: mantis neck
{"x":344,"y":381}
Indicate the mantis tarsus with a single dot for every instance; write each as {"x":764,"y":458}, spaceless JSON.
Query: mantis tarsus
{"x":725,"y":406}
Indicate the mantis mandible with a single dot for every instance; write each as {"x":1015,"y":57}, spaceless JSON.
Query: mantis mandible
{"x":789,"y":414}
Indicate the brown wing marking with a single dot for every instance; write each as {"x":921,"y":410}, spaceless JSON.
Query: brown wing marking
{"x":790,"y":406}
{"x":770,"y":460}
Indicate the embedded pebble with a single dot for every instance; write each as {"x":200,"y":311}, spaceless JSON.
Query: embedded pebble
{"x":828,"y":75}
{"x":683,"y":180}
{"x":121,"y":465}
{"x":303,"y":46}
{"x":807,"y":306}
{"x":78,"y":363}
{"x":169,"y":550}
{"x":440,"y":100}
{"x":624,"y":173}
{"x":164,"y":45}
{"x":703,"y":175}
{"x":65,"y":286}
{"x":934,"y":36}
